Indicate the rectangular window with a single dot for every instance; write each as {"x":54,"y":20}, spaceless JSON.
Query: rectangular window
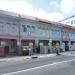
{"x":28,"y":29}
{"x":24,"y":28}
{"x":13,"y":29}
{"x":72,"y":22}
{"x":28,"y":26}
{"x":33,"y":29}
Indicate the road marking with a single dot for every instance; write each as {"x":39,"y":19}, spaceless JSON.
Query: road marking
{"x":35,"y":68}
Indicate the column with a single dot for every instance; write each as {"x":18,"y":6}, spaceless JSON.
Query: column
{"x":69,"y":44}
{"x":36,"y":42}
{"x":50,"y":46}
{"x":19,"y":48}
{"x":31,"y":46}
{"x":41,"y":48}
{"x":36,"y":45}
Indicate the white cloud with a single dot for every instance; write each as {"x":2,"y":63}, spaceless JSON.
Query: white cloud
{"x":68,"y":6}
{"x":23,"y":7}
{"x":40,"y":13}
{"x":54,"y":16}
{"x":18,"y":6}
{"x":54,"y":4}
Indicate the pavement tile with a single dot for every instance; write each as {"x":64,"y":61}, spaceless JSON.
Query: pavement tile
{"x":33,"y":56}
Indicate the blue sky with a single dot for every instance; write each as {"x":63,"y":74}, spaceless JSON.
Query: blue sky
{"x":44,"y":4}
{"x":53,"y":10}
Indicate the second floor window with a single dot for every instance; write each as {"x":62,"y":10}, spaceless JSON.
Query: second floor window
{"x":24,"y":28}
{"x":72,"y":22}
{"x":33,"y":29}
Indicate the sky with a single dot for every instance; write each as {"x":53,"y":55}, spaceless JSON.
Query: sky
{"x":53,"y":10}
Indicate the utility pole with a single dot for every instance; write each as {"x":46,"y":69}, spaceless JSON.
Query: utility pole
{"x":19,"y":31}
{"x":19,"y":47}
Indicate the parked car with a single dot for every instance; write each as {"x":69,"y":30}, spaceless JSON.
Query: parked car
{"x":25,"y":50}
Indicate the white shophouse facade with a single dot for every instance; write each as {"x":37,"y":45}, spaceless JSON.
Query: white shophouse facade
{"x":19,"y":30}
{"x":70,"y":20}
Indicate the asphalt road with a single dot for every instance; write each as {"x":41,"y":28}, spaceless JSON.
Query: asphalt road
{"x":58,"y":65}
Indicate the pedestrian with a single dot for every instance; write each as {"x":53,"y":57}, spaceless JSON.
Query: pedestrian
{"x":57,"y":49}
{"x":69,"y":44}
{"x":30,"y":51}
{"x":72,"y":48}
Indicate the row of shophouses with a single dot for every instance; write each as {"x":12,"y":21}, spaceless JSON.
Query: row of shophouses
{"x":17,"y":31}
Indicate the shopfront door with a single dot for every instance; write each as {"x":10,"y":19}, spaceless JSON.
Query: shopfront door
{"x":12,"y":45}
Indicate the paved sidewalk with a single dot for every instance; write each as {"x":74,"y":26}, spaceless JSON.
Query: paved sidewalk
{"x":69,"y":53}
{"x":26,"y":57}
{"x":34,"y":56}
